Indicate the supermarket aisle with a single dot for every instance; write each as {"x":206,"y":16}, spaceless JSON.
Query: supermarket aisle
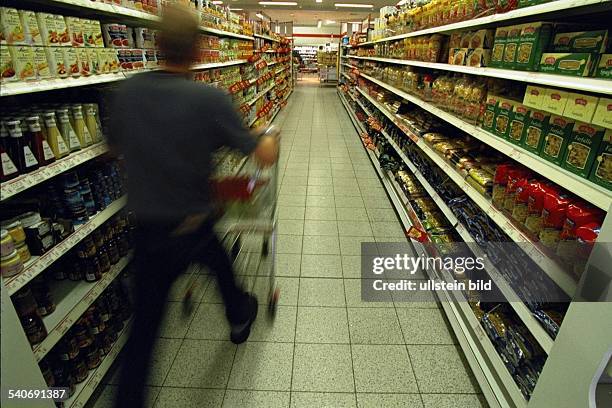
{"x":326,"y":347}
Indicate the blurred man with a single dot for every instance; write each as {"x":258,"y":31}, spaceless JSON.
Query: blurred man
{"x":167,"y":128}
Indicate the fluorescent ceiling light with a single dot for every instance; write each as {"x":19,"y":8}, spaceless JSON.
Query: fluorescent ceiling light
{"x":260,"y":15}
{"x":330,"y":22}
{"x":351,"y":5}
{"x":236,"y":9}
{"x":278,"y":3}
{"x":355,"y":22}
{"x":319,"y":1}
{"x":217,"y":2}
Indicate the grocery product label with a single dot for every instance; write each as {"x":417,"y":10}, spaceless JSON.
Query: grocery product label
{"x":55,"y":56}
{"x":71,"y":60}
{"x":489,"y":113}
{"x":518,"y":119}
{"x":556,"y":139}
{"x":10,"y":24}
{"x":8,"y":167}
{"x":502,"y":117}
{"x":30,"y":159}
{"x":580,"y":107}
{"x":84,"y":65}
{"x":7,"y":67}
{"x":534,"y":131}
{"x":534,"y":38}
{"x":582,"y":41}
{"x":582,"y":148}
{"x":512,"y":43}
{"x":603,"y":113}
{"x":578,"y":64}
{"x":23,"y":60}
{"x":534,"y":96}
{"x":604,"y":67}
{"x":76,"y":28}
{"x":41,"y":64}
{"x":499,"y":44}
{"x":30,"y":27}
{"x":47,"y":152}
{"x":554,"y":101}
{"x":48,"y":31}
{"x":602,"y":167}
{"x":62,"y":30}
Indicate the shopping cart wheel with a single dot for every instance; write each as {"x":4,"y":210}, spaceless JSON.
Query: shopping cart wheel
{"x":273,"y":302}
{"x":188,"y":303}
{"x":265,"y":247}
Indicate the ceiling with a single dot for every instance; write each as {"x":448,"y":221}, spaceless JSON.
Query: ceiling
{"x":307,"y":12}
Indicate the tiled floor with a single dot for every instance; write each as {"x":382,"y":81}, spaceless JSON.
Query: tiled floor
{"x":326,"y":347}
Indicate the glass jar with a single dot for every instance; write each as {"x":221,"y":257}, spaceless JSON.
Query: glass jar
{"x":27,"y":310}
{"x":68,"y":348}
{"x":42,"y":295}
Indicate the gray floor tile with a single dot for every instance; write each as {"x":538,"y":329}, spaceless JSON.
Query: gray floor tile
{"x":320,"y":181}
{"x":383,"y":369}
{"x":322,"y":400}
{"x":289,"y":244}
{"x":352,"y":245}
{"x":424,"y":326}
{"x":262,"y":366}
{"x":441,"y":369}
{"x":288,"y":290}
{"x":322,"y":325}
{"x":202,"y":363}
{"x":288,"y":189}
{"x":105,"y":396}
{"x":351,"y":266}
{"x":454,"y":400}
{"x":292,"y":199}
{"x":209,"y":323}
{"x":352,"y":288}
{"x":388,"y":229}
{"x":354,"y":228}
{"x":290,"y":213}
{"x":325,"y":190}
{"x":288,"y":264}
{"x":321,"y":266}
{"x":295,"y":180}
{"x":177,"y":292}
{"x":319,"y":174}
{"x":320,"y":201}
{"x":290,"y":227}
{"x":382,"y":214}
{"x":321,"y":292}
{"x":317,"y":227}
{"x":349,"y":202}
{"x":320,"y":213}
{"x":322,"y":367}
{"x":324,"y":245}
{"x":343,"y":174}
{"x":170,"y":397}
{"x":376,"y":201}
{"x":256,"y":399}
{"x":389,"y":401}
{"x":352,"y":214}
{"x":374,"y":326}
{"x":277,"y":328}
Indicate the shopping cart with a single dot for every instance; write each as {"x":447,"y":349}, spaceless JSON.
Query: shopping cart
{"x":246,"y":195}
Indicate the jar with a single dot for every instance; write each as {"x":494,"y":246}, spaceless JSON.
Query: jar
{"x":92,"y":356}
{"x":54,"y":137}
{"x":30,"y":218}
{"x":67,"y":349}
{"x":63,"y":377}
{"x":78,"y":368}
{"x":93,"y":271}
{"x":6,"y":243}
{"x":76,"y":271}
{"x":24,"y":252}
{"x":15,"y":230}
{"x":26,"y":308}
{"x":42,"y":295}
{"x":11,"y":264}
{"x":82,"y":335}
{"x":47,"y":373}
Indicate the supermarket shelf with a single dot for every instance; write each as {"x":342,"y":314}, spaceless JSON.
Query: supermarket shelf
{"x":26,"y":181}
{"x":265,"y":37}
{"x":555,"y":271}
{"x":272,"y":63}
{"x":349,"y":65}
{"x":39,"y":263}
{"x":74,"y":299}
{"x":597,"y":195}
{"x":260,"y":94}
{"x":222,"y":33}
{"x":601,"y":86}
{"x":568,"y":7}
{"x":19,"y":88}
{"x":344,"y":74}
{"x":545,"y":341}
{"x":85,"y":389}
{"x":212,"y":65}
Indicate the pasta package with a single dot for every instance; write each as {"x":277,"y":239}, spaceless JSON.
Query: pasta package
{"x":573,"y":64}
{"x":489,"y":113}
{"x":499,"y":45}
{"x":580,"y":107}
{"x":602,"y":167}
{"x":604,"y":67}
{"x":482,"y":39}
{"x":554,"y":101}
{"x":534,"y":96}
{"x":7,"y":68}
{"x":478,"y":57}
{"x":581,"y":41}
{"x":502,"y":117}
{"x":518,"y":120}
{"x":603,"y":113}
{"x":535,"y":130}
{"x":23,"y":60}
{"x":534,"y":38}
{"x":582,"y":148}
{"x":511,"y":48}
{"x":556,"y":139}
{"x":57,"y":65}
{"x":46,"y":24}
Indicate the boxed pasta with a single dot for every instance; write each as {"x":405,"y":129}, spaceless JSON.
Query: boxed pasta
{"x":30,"y":27}
{"x":603,"y":113}
{"x":55,"y":57}
{"x":489,"y":113}
{"x":502,"y":117}
{"x":604,"y":67}
{"x":580,"y":107}
{"x":23,"y":61}
{"x":535,"y":130}
{"x":41,"y":64}
{"x":478,"y":57}
{"x":534,"y":38}
{"x":62,"y":30}
{"x":534,"y":96}
{"x":71,"y":60}
{"x":48,"y":31}
{"x":482,"y":39}
{"x":556,"y":139}
{"x":512,"y":43}
{"x":459,"y":56}
{"x":581,"y":41}
{"x":7,"y":68}
{"x":574,"y":64}
{"x":602,"y":167}
{"x":76,"y":28}
{"x":518,"y":120}
{"x":582,"y":148}
{"x":554,"y":101}
{"x":12,"y":29}
{"x":499,"y":44}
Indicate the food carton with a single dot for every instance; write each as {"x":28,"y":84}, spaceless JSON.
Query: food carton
{"x":23,"y":60}
{"x":7,"y":68}
{"x":113,"y":60}
{"x":12,"y":30}
{"x":62,"y":30}
{"x":502,"y":117}
{"x":582,"y":148}
{"x":577,"y":64}
{"x":71,"y":59}
{"x":601,"y":173}
{"x":96,"y":30}
{"x":554,"y":101}
{"x":533,"y":41}
{"x":556,"y":139}
{"x":482,"y":39}
{"x":30,"y":27}
{"x":534,"y":96}
{"x":57,"y":65}
{"x":603,"y":113}
{"x":94,"y":63}
{"x":580,"y":107}
{"x":48,"y":31}
{"x":512,"y":44}
{"x":535,"y":130}
{"x":604,"y":67}
{"x":84,"y":63}
{"x":488,"y":116}
{"x":41,"y":64}
{"x":76,"y":30}
{"x":499,"y":45}
{"x":103,"y":62}
{"x":518,"y":120}
{"x":581,"y":42}
{"x":478,"y":57}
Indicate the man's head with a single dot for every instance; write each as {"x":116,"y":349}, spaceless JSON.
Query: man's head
{"x":179,"y":34}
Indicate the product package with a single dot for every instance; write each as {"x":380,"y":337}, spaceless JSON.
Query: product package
{"x":489,"y":113}
{"x":482,"y":39}
{"x":575,"y":64}
{"x":556,"y":139}
{"x":76,"y":28}
{"x":580,"y":107}
{"x":601,"y":172}
{"x":478,"y":57}
{"x":518,"y":120}
{"x":512,"y":44}
{"x":533,"y":41}
{"x":582,"y":148}
{"x":11,"y":27}
{"x":41,"y":64}
{"x":581,"y":42}
{"x":534,"y":96}
{"x":604,"y":67}
{"x":554,"y":101}
{"x":603,"y":113}
{"x":554,"y":213}
{"x":30,"y":27}
{"x":48,"y":31}
{"x":502,"y":117}
{"x":71,"y":59}
{"x":7,"y":68}
{"x":57,"y":65}
{"x":535,"y":130}
{"x":84,"y":63}
{"x":62,"y":30}
{"x":499,"y":45}
{"x":23,"y":62}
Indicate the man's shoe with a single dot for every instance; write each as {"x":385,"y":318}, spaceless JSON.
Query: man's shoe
{"x":240,"y":331}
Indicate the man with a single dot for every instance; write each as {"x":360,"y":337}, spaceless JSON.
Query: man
{"x":167,"y":128}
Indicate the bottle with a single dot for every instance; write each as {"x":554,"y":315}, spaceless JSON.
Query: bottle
{"x":81,"y":130}
{"x":68,"y":133}
{"x":40,"y":146}
{"x":26,"y":308}
{"x":59,"y":147}
{"x":19,"y":148}
{"x":92,"y":123}
{"x":9,"y":170}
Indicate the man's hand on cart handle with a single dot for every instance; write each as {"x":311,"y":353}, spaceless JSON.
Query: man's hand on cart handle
{"x":266,"y":152}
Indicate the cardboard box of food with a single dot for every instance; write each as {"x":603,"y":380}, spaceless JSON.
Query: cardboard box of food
{"x":62,"y":30}
{"x":499,"y":45}
{"x":502,"y":117}
{"x":556,"y":139}
{"x":48,"y":31}
{"x":512,"y":44}
{"x":482,"y":39}
{"x":478,"y":57}
{"x":41,"y":64}
{"x":603,"y":113}
{"x":76,"y":29}
{"x":30,"y":27}
{"x":582,"y":148}
{"x":604,"y":67}
{"x":489,"y":114}
{"x":71,"y":60}
{"x":23,"y":61}
{"x":7,"y":68}
{"x":55,"y":57}
{"x":518,"y":120}
{"x":534,"y":96}
{"x":554,"y":101}
{"x":576,"y":64}
{"x":94,"y":62}
{"x":102,"y":61}
{"x":535,"y":130}
{"x":533,"y":41}
{"x":10,"y":25}
{"x":84,"y":63}
{"x":601,"y":173}
{"x":580,"y":107}
{"x":581,"y":42}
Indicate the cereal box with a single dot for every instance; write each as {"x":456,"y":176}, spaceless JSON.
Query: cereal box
{"x":71,"y":60}
{"x":41,"y":64}
{"x":512,"y":44}
{"x":554,"y":101}
{"x":30,"y":27}
{"x":12,"y":30}
{"x":48,"y":31}
{"x":533,"y":41}
{"x":534,"y":96}
{"x":55,"y":57}
{"x":581,"y":41}
{"x":76,"y":29}
{"x":580,"y":107}
{"x":567,"y":64}
{"x":7,"y":68}
{"x":489,"y":113}
{"x":556,"y":139}
{"x":518,"y":120}
{"x":604,"y":67}
{"x":499,"y":44}
{"x":535,"y":130}
{"x":502,"y":117}
{"x":603,"y":113}
{"x":62,"y":30}
{"x":601,"y":173}
{"x":582,"y":148}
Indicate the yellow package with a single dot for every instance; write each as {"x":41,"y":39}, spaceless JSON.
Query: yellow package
{"x":55,"y":57}
{"x":7,"y":68}
{"x":41,"y":64}
{"x":23,"y":60}
{"x":30,"y":27}
{"x":12,"y":30}
{"x":48,"y":31}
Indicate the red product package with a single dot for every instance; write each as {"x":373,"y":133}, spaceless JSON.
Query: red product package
{"x":535,"y":205}
{"x":515,"y":180}
{"x":521,"y":200}
{"x":586,"y":235}
{"x":500,"y":180}
{"x":553,"y":217}
{"x":579,"y":214}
